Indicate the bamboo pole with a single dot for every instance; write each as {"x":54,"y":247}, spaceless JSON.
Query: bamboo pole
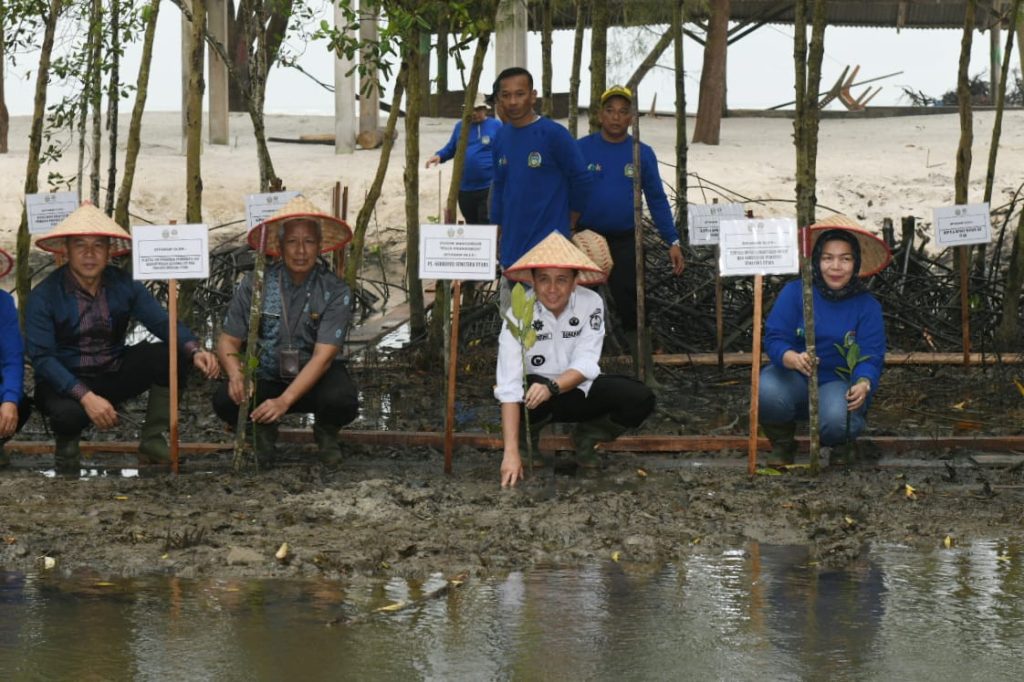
{"x":453,"y":364}
{"x":755,"y":376}
{"x":891,"y":359}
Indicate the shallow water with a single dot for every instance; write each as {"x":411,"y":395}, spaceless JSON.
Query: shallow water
{"x":762,"y":612}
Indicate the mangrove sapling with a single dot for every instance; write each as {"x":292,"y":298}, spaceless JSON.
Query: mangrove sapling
{"x":520,"y":325}
{"x":850,"y":352}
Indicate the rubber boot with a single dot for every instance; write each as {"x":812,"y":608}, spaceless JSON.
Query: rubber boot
{"x":153,"y":448}
{"x":264,"y":444}
{"x":67,"y":457}
{"x":536,"y":425}
{"x":783,"y":438}
{"x":328,"y":449}
{"x":587,"y":435}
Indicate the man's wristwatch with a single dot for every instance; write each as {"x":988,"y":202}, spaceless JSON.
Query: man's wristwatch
{"x":553,"y":387}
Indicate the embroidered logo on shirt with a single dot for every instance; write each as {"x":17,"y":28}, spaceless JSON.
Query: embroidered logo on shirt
{"x":533,"y":160}
{"x":594,"y":167}
{"x":486,"y":139}
{"x":503,"y":161}
{"x":538,"y":324}
{"x":574,"y":322}
{"x":537,"y":360}
{"x":595,"y":320}
{"x":628,"y":170}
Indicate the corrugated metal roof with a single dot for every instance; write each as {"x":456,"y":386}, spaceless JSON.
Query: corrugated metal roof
{"x":865,"y":13}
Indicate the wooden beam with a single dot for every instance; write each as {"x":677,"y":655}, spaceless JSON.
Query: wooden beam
{"x":703,"y":359}
{"x":641,"y":443}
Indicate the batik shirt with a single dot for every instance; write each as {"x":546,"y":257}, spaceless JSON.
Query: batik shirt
{"x":318,"y":310}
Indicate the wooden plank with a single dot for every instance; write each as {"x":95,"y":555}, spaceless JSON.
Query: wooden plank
{"x":638,"y":443}
{"x":732,"y":359}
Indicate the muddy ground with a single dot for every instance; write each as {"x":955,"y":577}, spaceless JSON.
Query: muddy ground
{"x":391,"y":511}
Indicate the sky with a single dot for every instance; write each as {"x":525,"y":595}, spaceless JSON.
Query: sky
{"x":760,"y":67}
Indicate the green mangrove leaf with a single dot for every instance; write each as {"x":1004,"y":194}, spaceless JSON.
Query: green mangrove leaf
{"x":531,"y":338}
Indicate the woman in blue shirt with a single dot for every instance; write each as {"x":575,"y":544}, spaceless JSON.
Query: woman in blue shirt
{"x":14,"y":409}
{"x":477,"y":172}
{"x":842,"y":255}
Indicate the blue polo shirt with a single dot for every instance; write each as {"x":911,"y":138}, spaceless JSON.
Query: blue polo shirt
{"x":538,"y":174}
{"x":610,"y":209}
{"x":479,"y":167}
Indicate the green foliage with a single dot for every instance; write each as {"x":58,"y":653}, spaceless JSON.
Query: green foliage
{"x":519,"y":320}
{"x":850,"y":353}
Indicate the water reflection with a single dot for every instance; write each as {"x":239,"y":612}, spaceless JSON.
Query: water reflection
{"x":757,"y":612}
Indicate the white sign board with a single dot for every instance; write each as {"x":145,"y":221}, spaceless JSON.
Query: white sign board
{"x":704,"y":220}
{"x":758,"y":247}
{"x":259,"y":207}
{"x":962,"y":225}
{"x":466,"y":252}
{"x":170,"y":252}
{"x":47,"y":210}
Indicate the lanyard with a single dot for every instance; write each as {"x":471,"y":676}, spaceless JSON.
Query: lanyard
{"x":291,"y":328}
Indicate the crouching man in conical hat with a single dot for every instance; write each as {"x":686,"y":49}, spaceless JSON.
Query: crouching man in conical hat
{"x":564,"y":380}
{"x":76,"y":322}
{"x":14,"y":409}
{"x":306,"y":310}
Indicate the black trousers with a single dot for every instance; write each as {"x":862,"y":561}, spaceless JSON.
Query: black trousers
{"x":143,"y":365}
{"x":334,"y":399}
{"x":624,"y":400}
{"x":473,"y":205}
{"x":622,"y":281}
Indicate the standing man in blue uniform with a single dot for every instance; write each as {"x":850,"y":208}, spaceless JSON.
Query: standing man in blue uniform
{"x":609,"y":212}
{"x":477,"y":172}
{"x":539,"y":172}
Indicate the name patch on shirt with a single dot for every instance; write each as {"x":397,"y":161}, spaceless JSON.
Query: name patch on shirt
{"x":571,"y":334}
{"x":546,"y":336}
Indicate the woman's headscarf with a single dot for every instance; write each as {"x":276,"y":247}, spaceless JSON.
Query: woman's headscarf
{"x":851,"y":288}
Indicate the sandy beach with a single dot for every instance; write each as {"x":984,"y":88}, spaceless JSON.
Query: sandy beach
{"x":870,"y":168}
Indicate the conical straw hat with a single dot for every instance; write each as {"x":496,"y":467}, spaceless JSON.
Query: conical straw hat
{"x":336,"y":232}
{"x":596,"y":249}
{"x":555,"y":251}
{"x":874,"y":253}
{"x":6,"y":263}
{"x":86,"y":221}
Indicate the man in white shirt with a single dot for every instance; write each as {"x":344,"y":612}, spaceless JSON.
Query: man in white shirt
{"x":564,"y":380}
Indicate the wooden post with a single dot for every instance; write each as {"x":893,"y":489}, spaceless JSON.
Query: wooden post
{"x":344,"y":91}
{"x":172,"y":346}
{"x":965,"y":311}
{"x":755,"y":376}
{"x":643,"y":368}
{"x":172,"y":342}
{"x":453,"y":365}
{"x":217,"y":25}
{"x":370,"y":136}
{"x":719,"y":313}
{"x":336,"y":211}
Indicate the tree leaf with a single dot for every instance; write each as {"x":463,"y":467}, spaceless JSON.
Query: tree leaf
{"x":531,"y":338}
